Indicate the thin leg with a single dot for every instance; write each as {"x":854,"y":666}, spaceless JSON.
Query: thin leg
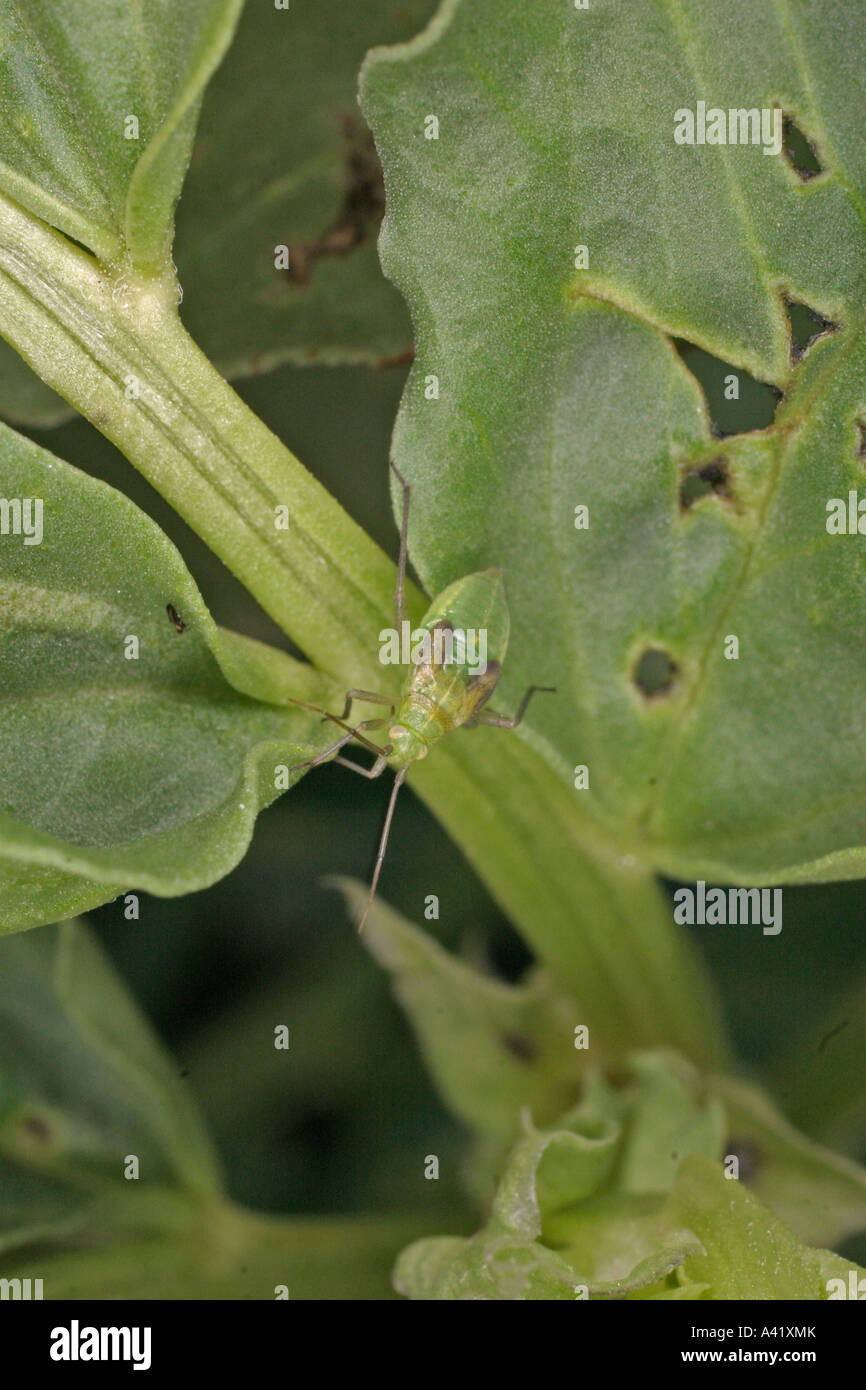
{"x":341,"y":743}
{"x":502,"y":721}
{"x":364,"y":742}
{"x":325,"y":754}
{"x":368,"y":697}
{"x":400,"y":592}
{"x":370,"y":772}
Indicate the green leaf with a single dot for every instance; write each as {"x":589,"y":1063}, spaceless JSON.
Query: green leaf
{"x":283,"y":158}
{"x":232,"y":1254}
{"x":747,"y":1252}
{"x":821,"y":1195}
{"x":145,"y":772}
{"x":111,"y":343}
{"x":24,"y":399}
{"x":84,"y":1084}
{"x":520,"y":1041}
{"x":32,"y":895}
{"x":98,"y":105}
{"x":278,"y":156}
{"x":559,"y":386}
{"x":272,"y":165}
{"x":821,"y":1080}
{"x":671,"y":1114}
{"x":625,"y":1198}
{"x":574,"y":1215}
{"x":331,"y":590}
{"x":520,"y":1038}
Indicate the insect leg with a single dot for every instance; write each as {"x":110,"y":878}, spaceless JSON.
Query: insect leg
{"x":326,"y":753}
{"x":368,"y":697}
{"x":504,"y":721}
{"x":400,"y":592}
{"x":370,"y":772}
{"x":341,"y":743}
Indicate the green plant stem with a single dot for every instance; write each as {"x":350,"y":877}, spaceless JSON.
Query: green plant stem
{"x":225,"y":1252}
{"x":112,"y":344}
{"x":590,"y":908}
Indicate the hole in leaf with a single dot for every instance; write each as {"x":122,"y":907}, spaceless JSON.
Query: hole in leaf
{"x":736,"y":401}
{"x":799,"y":151}
{"x":655,"y":673}
{"x":704,"y":480}
{"x":807,"y":325}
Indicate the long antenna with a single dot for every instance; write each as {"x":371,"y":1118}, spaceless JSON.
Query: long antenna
{"x":383,"y":844}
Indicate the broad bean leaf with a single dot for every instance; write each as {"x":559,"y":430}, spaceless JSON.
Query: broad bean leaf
{"x":820,"y":1079}
{"x":99,"y":336}
{"x":821,"y":1195}
{"x":84,"y":1085}
{"x":98,"y":105}
{"x":132,"y":753}
{"x":73,"y":73}
{"x":304,"y":1258}
{"x":521,"y":1038}
{"x":623,"y":1197}
{"x":748,"y":1253}
{"x":282,"y":156}
{"x":559,"y":387}
{"x":572,"y":1217}
{"x":522,"y":1042}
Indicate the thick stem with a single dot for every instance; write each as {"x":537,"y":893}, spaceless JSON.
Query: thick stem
{"x":113,"y":346}
{"x":590,"y":908}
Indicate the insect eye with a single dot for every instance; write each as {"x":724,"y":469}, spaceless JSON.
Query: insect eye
{"x":423,"y":753}
{"x":396,"y":731}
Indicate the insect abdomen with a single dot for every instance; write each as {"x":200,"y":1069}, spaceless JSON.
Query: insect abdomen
{"x":431,"y":704}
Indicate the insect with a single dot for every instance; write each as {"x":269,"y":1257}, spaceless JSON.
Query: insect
{"x":441,"y":692}
{"x":174,"y":617}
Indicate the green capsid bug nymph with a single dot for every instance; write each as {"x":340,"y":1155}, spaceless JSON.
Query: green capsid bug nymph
{"x":447,"y":686}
